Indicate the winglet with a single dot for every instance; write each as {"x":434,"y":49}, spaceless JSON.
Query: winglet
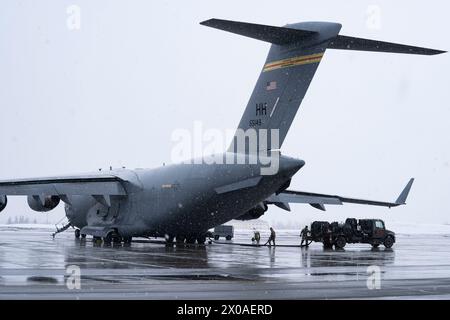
{"x":402,"y":197}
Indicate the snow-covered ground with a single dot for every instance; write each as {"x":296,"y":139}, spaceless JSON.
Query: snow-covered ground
{"x":418,"y":228}
{"x":397,"y":227}
{"x":27,"y":226}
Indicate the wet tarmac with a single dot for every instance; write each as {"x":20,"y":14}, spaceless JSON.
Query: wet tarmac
{"x":35,"y":266}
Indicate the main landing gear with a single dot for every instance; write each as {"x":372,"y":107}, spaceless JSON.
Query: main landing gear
{"x":78,"y":234}
{"x":112,"y":238}
{"x":188,"y":239}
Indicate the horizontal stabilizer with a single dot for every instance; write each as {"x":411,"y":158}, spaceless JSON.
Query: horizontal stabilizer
{"x":360,"y":44}
{"x":276,"y":35}
{"x":294,"y":56}
{"x":286,"y":35}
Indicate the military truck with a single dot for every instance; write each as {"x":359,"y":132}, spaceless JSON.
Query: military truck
{"x":371,"y":231}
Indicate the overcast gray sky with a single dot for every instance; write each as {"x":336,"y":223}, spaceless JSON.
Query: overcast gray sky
{"x":112,"y":93}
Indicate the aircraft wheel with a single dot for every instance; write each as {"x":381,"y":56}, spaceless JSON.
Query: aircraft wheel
{"x":77,"y":233}
{"x":127,"y":240}
{"x":190,"y":240}
{"x":180,"y":239}
{"x":388,"y":242}
{"x":201,"y":239}
{"x":375,"y":245}
{"x":340,"y":242}
{"x":96,"y":239}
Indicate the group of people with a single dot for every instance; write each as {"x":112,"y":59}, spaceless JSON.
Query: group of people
{"x":257,"y":237}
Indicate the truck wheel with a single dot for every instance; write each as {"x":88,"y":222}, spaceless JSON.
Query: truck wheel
{"x":216,"y":237}
{"x":388,"y":242}
{"x":340,"y":242}
{"x":228,"y":238}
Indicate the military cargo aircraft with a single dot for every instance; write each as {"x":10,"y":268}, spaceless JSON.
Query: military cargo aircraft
{"x":182,"y":201}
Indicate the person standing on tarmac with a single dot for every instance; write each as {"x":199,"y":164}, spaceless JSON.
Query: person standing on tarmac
{"x":256,"y":236}
{"x":304,"y":235}
{"x":271,"y":238}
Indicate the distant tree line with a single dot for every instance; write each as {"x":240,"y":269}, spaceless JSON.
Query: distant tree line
{"x":20,"y":220}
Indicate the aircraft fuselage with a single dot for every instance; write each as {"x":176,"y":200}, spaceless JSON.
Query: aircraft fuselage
{"x":182,"y":198}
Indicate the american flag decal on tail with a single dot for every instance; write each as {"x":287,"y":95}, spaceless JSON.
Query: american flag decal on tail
{"x":272,"y":85}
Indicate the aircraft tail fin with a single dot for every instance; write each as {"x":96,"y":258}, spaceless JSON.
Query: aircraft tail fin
{"x":294,"y":56}
{"x":290,"y":66}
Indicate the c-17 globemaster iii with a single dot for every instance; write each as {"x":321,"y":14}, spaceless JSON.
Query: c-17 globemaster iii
{"x":183,"y":201}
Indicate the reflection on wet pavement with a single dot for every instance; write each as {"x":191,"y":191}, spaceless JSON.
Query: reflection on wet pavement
{"x":33,"y":265}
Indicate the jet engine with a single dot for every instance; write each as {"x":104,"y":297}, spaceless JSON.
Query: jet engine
{"x":254,"y":213}
{"x":3,"y":202}
{"x":44,"y":204}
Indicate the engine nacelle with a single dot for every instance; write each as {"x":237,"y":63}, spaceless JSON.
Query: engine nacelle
{"x":254,"y":213}
{"x":3,"y":202}
{"x":49,"y":203}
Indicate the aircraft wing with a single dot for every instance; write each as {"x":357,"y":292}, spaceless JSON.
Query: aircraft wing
{"x":98,"y":186}
{"x":319,"y":201}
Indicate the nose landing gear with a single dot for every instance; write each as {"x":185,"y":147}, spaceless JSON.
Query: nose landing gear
{"x":113,"y":237}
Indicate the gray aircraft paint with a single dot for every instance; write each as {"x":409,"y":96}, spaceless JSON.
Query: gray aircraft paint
{"x":188,"y":199}
{"x":179,"y":199}
{"x":278,"y":106}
